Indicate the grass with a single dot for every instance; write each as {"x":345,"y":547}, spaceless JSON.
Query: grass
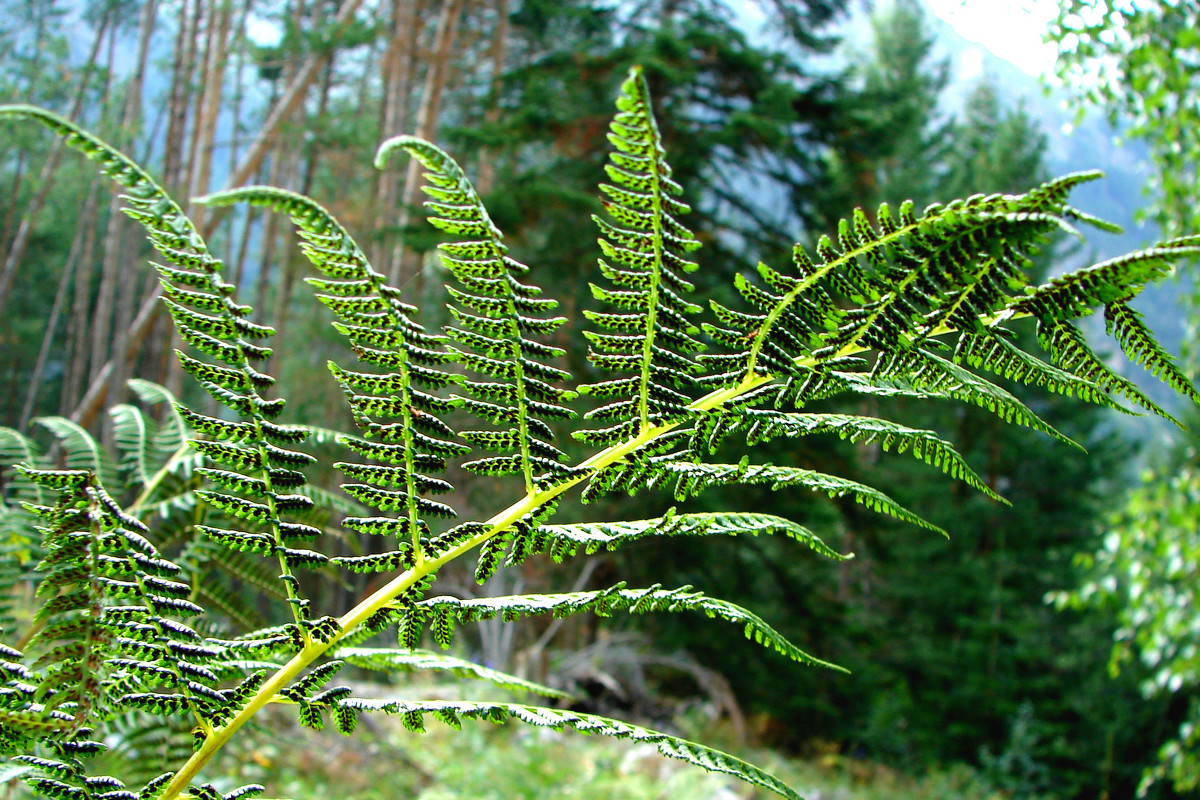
{"x":484,"y":761}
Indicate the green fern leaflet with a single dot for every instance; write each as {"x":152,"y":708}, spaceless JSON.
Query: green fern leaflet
{"x":138,"y":556}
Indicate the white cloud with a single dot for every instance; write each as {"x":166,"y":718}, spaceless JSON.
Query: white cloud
{"x":1011,"y":30}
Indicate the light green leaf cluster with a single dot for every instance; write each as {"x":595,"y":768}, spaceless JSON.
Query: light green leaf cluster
{"x":1147,"y":573}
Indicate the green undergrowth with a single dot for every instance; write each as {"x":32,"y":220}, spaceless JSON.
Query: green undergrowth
{"x":510,"y":762}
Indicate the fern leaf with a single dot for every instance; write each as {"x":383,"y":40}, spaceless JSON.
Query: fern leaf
{"x":16,"y":448}
{"x":382,"y":331}
{"x":1138,"y":342}
{"x":645,"y":257}
{"x":109,"y":627}
{"x":1116,"y":280}
{"x":451,"y":711}
{"x":604,"y":602}
{"x":133,"y":435}
{"x":693,"y":478}
{"x":424,"y":661}
{"x":495,"y":311}
{"x":565,"y":540}
{"x":80,"y":449}
{"x":203,"y":309}
{"x":1070,"y":350}
{"x":958,"y":268}
{"x":993,"y":352}
{"x":923,"y":444}
{"x":922,"y":374}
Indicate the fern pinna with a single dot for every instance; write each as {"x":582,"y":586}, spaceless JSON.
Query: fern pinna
{"x":898,"y":304}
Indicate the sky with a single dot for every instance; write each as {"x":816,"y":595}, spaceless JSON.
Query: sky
{"x":1010,"y":29}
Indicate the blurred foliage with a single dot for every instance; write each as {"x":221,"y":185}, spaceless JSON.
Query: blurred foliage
{"x":1147,"y":574}
{"x":1138,"y":61}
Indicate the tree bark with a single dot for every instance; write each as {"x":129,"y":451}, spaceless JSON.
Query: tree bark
{"x":405,"y":266}
{"x":91,"y":404}
{"x":77,"y":325}
{"x":74,"y":258}
{"x":180,"y":97}
{"x":289,"y":101}
{"x":216,"y":54}
{"x":487,"y":167}
{"x":117,"y":247}
{"x":45,"y":178}
{"x":397,"y":67}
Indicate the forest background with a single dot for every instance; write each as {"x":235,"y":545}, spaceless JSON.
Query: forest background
{"x":779,"y":121}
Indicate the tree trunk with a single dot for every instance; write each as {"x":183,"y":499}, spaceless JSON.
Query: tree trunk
{"x":179,"y":102}
{"x":487,"y":167}
{"x":289,"y":101}
{"x":102,"y":311}
{"x":45,"y":178}
{"x":397,"y":67}
{"x":74,"y":258}
{"x":117,"y":247}
{"x":216,"y":54}
{"x":91,"y":404}
{"x":405,"y":266}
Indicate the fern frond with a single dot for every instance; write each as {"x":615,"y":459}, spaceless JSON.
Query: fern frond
{"x":605,"y":602}
{"x":499,"y":318}
{"x":1119,"y":279}
{"x":958,"y":268}
{"x":562,"y":541}
{"x":924,"y":374}
{"x":108,"y":634}
{"x":1070,"y":350}
{"x":382,"y":331}
{"x":80,"y":449}
{"x":1130,"y":331}
{"x":923,"y":444}
{"x":424,"y":661}
{"x":451,"y":712}
{"x":691,"y":479}
{"x":994,"y":352}
{"x":15,"y":448}
{"x":652,"y":338}
{"x":201,"y":303}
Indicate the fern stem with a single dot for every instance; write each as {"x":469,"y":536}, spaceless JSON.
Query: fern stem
{"x":497,"y":524}
{"x":152,"y":485}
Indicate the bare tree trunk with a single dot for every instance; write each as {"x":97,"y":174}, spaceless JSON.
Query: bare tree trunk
{"x":74,"y":258}
{"x":205,"y":15}
{"x":120,"y":246}
{"x":114,"y":304}
{"x":281,"y":160}
{"x":237,"y":256}
{"x":13,"y":198}
{"x":397,"y":67}
{"x":90,"y":406}
{"x":289,"y":101}
{"x":405,"y":266}
{"x":179,"y":101}
{"x":288,"y":266}
{"x":270,"y":240}
{"x":45,"y":179}
{"x":217,"y":52}
{"x":103,"y":309}
{"x":487,"y":166}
